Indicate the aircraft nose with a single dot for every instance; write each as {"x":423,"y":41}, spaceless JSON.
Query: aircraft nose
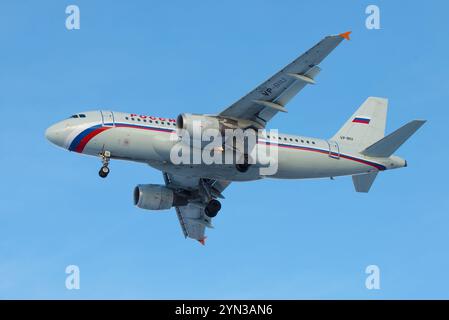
{"x":56,"y":134}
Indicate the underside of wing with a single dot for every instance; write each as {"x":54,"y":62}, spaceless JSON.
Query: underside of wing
{"x":261,"y":104}
{"x":193,"y":217}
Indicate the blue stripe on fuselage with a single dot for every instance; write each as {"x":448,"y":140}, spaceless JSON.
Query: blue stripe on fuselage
{"x":80,"y":136}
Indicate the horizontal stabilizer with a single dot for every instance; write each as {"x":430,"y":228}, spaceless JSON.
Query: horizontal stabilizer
{"x":386,"y":146}
{"x":363,"y":182}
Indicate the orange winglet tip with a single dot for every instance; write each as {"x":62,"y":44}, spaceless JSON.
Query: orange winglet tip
{"x":202,"y":241}
{"x":345,"y":35}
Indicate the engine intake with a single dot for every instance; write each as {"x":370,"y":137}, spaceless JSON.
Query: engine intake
{"x":187,"y":121}
{"x":157,"y":197}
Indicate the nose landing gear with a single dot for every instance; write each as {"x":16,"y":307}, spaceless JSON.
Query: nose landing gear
{"x":105,"y":157}
{"x":104,"y":171}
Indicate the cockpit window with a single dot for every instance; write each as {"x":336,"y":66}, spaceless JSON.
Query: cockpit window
{"x":81,"y":115}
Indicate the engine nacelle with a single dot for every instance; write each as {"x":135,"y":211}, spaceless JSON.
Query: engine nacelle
{"x":187,"y":121}
{"x":156,"y":197}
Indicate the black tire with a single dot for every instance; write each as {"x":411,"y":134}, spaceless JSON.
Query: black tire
{"x":104,"y":171}
{"x":212,"y":208}
{"x":243,"y":167}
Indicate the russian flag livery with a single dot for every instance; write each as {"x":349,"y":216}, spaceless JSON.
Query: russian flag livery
{"x":361,"y":120}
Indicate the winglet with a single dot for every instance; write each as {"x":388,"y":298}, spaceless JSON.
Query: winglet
{"x":202,"y":241}
{"x":345,"y":35}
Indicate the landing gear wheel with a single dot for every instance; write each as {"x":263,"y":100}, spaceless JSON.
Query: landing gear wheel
{"x":104,"y":171}
{"x":105,"y":157}
{"x":212,"y":208}
{"x":243,"y":167}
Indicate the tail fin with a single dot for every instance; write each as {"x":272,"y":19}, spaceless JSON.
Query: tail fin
{"x":366,"y":125}
{"x":387,"y":146}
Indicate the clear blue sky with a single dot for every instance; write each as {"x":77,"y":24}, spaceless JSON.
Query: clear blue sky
{"x":273,"y":239}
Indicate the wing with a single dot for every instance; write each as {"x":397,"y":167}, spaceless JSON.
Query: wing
{"x":200,"y":191}
{"x":261,"y":104}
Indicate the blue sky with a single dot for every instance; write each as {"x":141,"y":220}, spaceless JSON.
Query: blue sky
{"x":273,"y":239}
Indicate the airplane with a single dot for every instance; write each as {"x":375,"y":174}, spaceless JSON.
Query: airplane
{"x":359,"y":149}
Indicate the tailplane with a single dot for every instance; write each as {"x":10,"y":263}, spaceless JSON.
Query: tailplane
{"x":385,"y":147}
{"x":365,"y":126}
{"x":364,"y":133}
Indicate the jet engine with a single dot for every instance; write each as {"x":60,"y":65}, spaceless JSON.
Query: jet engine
{"x":187,"y":121}
{"x":157,"y":197}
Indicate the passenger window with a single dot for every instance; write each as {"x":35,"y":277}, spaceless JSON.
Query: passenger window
{"x":156,"y":121}
{"x":132,"y":119}
{"x":302,"y":141}
{"x":313,"y":142}
{"x":138,"y":119}
{"x":308,"y":141}
{"x":126,"y":118}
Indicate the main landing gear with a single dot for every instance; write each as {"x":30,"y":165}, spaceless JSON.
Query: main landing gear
{"x":243,"y":167}
{"x":212,"y":208}
{"x":105,"y":157}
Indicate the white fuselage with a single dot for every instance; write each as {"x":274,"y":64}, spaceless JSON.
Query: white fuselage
{"x":150,"y":140}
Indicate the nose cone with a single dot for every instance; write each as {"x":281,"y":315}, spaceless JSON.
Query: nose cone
{"x":56,"y":134}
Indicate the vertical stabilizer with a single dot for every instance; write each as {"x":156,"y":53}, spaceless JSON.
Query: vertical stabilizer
{"x":365,"y":126}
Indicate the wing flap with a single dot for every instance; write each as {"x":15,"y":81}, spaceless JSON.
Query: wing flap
{"x":191,"y":217}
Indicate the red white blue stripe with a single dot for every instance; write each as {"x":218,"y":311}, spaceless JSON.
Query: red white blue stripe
{"x":361,"y":120}
{"x":83,"y":138}
{"x":344,"y":156}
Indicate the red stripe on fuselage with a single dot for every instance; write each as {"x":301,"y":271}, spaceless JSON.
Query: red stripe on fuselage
{"x":82,"y":144}
{"x":94,"y":133}
{"x":80,"y":147}
{"x":372,"y":164}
